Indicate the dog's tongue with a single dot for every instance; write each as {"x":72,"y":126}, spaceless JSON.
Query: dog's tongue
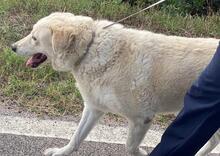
{"x":36,"y":60}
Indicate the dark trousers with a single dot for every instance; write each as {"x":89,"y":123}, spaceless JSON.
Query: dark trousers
{"x":200,"y":117}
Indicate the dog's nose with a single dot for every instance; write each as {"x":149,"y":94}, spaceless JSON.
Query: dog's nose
{"x":13,"y":47}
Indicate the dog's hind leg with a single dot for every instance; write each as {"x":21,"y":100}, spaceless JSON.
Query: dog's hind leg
{"x":137,"y":131}
{"x":89,"y":118}
{"x":210,"y":145}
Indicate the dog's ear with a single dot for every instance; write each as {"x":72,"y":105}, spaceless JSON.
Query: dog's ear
{"x":63,"y":39}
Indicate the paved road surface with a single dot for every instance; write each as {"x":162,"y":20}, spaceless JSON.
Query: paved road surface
{"x":18,"y":145}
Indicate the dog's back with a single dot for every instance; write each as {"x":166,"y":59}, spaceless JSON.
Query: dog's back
{"x":154,"y":70}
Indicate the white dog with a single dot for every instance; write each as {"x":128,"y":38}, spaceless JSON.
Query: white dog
{"x":133,"y":73}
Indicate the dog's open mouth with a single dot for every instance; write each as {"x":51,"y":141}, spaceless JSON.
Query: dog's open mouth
{"x":36,"y":60}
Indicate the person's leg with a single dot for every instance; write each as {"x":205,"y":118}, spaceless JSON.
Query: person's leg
{"x":200,"y":117}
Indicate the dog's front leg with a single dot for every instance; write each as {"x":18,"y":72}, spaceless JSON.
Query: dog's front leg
{"x":89,"y":118}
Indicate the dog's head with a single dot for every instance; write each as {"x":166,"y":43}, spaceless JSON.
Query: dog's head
{"x":62,"y":38}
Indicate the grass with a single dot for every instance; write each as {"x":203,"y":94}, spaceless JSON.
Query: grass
{"x":46,"y":91}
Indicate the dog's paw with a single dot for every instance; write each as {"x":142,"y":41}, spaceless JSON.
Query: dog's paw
{"x":139,"y":152}
{"x":142,"y":152}
{"x":56,"y":152}
{"x":51,"y":151}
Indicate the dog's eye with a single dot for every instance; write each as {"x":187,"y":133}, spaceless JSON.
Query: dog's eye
{"x":34,"y":38}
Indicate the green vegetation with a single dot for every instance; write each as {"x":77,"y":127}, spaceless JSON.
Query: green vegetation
{"x":193,"y":7}
{"x":45,"y":91}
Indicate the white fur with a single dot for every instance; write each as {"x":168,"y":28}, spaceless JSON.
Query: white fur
{"x":133,"y":73}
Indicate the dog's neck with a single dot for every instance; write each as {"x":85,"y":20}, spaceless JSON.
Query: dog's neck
{"x":96,"y":60}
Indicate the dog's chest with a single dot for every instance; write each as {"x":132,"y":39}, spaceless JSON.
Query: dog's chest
{"x":101,"y":98}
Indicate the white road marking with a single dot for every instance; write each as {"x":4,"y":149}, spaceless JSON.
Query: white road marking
{"x":64,"y":130}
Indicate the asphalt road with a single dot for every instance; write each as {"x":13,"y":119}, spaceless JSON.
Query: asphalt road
{"x":19,"y":145}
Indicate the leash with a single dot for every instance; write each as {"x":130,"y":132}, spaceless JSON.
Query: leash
{"x":157,"y":3}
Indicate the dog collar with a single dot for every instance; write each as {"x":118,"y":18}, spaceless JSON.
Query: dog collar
{"x":87,"y":50}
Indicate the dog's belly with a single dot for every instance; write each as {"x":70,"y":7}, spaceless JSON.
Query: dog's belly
{"x":170,"y":105}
